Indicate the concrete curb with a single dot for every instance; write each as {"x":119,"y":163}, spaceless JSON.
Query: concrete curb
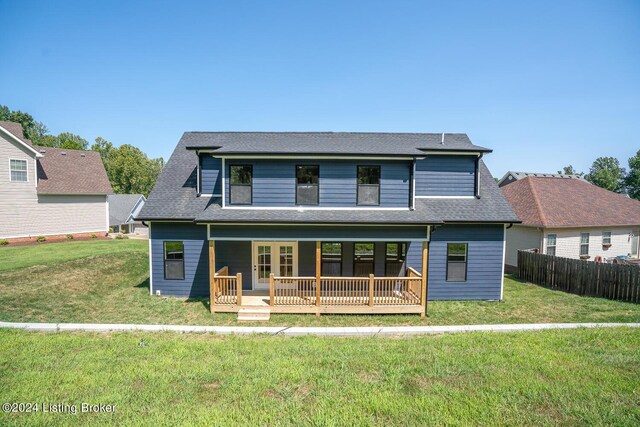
{"x":297,"y":331}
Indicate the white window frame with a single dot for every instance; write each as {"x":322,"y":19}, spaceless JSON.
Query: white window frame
{"x":609,"y":237}
{"x":584,"y":244}
{"x":26,"y":163}
{"x":555,"y":243}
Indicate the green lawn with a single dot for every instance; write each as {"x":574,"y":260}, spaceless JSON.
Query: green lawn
{"x":107,"y":282}
{"x":12,"y":258}
{"x":576,"y":377}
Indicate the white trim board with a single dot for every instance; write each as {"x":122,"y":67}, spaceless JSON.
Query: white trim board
{"x":313,"y":208}
{"x":444,"y":197}
{"x":21,"y":142}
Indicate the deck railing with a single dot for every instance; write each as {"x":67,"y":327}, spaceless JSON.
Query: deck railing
{"x":346,"y":291}
{"x":226,"y":289}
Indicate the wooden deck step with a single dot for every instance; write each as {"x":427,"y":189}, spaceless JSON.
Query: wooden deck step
{"x":254,"y":314}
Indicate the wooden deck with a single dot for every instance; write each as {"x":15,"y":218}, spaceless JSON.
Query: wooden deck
{"x":323,"y":295}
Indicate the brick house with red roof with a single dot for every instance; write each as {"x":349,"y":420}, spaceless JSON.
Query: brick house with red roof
{"x":48,"y":191}
{"x":570,"y":218}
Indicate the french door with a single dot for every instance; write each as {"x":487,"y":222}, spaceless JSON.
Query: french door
{"x":279,"y":258}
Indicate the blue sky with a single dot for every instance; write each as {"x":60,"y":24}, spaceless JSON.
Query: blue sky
{"x":543,"y":83}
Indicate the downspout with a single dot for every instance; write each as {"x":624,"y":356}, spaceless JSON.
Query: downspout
{"x":477,"y":176}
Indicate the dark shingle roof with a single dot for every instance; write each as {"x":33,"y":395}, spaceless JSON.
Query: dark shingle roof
{"x":174,"y":197}
{"x":121,"y":207}
{"x":328,"y":143}
{"x":62,"y":171}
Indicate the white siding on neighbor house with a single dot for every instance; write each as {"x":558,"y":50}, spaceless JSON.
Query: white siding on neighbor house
{"x":519,"y":238}
{"x":23,"y":213}
{"x":568,"y":242}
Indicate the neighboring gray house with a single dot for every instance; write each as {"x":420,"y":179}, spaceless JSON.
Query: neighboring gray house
{"x":123,"y":208}
{"x":325,"y":209}
{"x":49,"y":191}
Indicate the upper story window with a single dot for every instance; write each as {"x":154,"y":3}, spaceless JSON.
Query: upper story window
{"x":240,"y":189}
{"x":368,"y":185}
{"x":307,"y":178}
{"x":331,"y":259}
{"x":457,"y":262}
{"x":584,"y":244}
{"x":606,"y":238}
{"x":551,"y":244}
{"x":18,"y":170}
{"x":174,"y":260}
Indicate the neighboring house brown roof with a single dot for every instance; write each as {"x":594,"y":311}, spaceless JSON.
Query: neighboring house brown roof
{"x":559,"y":202}
{"x":16,"y":130}
{"x":63,"y":171}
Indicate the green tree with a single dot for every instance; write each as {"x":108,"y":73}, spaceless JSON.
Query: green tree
{"x":103,"y":147}
{"x":71,"y":141}
{"x":569,"y":170}
{"x":632,"y":180}
{"x":606,"y":172}
{"x":129,"y":169}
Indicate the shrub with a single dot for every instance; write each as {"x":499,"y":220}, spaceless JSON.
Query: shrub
{"x":121,"y":237}
{"x":110,"y":229}
{"x":41,"y":239}
{"x":4,"y":242}
{"x":93,"y":236}
{"x":69,"y":236}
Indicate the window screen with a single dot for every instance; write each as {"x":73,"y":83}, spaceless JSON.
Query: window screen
{"x":584,"y":244}
{"x":332,"y":259}
{"x":174,"y":260}
{"x":457,"y":262}
{"x":18,"y":170}
{"x":551,"y":244}
{"x":369,"y":185}
{"x":240,"y":179}
{"x":307,"y":179}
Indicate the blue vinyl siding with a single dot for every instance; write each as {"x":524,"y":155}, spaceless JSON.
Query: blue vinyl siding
{"x":446,"y":176}
{"x":211,"y":175}
{"x":196,"y":261}
{"x":274,"y":182}
{"x":484,"y":268}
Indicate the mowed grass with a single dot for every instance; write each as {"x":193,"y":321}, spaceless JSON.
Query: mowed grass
{"x":12,"y":258}
{"x":107,"y":282}
{"x":562,"y":377}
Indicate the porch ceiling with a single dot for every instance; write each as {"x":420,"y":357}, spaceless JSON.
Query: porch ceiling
{"x":313,"y":232}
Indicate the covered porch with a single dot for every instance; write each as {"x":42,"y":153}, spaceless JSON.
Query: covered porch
{"x":358,"y":269}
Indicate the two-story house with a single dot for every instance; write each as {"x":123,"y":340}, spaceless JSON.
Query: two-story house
{"x":328,"y":208}
{"x":49,"y":191}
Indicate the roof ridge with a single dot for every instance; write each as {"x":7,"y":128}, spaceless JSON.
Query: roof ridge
{"x":326,"y":132}
{"x":536,"y":200}
{"x":64,"y":149}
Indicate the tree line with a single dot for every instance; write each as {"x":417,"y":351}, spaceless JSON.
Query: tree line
{"x":606,"y":172}
{"x":129,"y":169}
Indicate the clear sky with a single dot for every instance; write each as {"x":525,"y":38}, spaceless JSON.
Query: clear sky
{"x":543,"y":83}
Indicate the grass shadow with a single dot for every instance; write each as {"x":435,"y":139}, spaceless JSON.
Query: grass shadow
{"x":143,"y":284}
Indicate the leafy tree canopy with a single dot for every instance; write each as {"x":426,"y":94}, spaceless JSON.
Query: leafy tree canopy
{"x":606,"y":172}
{"x":130,"y":171}
{"x":632,"y":180}
{"x":569,"y":170}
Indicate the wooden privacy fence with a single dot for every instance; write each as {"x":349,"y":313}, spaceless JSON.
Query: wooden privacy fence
{"x":613,"y":281}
